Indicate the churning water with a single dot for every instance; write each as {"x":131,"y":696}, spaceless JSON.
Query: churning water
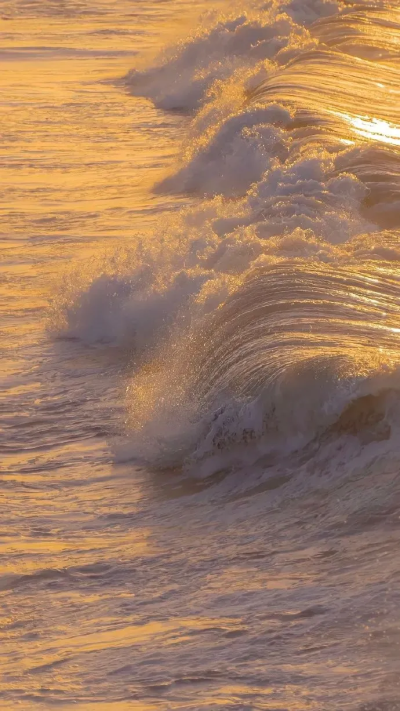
{"x":200,"y":355}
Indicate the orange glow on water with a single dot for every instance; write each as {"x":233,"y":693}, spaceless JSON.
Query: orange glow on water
{"x":375,"y":129}
{"x":110,"y":569}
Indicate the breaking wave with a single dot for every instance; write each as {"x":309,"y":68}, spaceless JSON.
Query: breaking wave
{"x":267,"y":315}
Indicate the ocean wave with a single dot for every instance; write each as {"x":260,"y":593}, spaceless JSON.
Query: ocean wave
{"x":267,"y":315}
{"x":295,"y":351}
{"x":185,"y":74}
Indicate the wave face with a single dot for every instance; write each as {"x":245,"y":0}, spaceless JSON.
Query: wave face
{"x":266,"y":316}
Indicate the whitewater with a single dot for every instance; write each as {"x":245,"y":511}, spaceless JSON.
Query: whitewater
{"x":200,"y":355}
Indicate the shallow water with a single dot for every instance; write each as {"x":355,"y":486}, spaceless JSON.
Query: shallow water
{"x":200,"y":380}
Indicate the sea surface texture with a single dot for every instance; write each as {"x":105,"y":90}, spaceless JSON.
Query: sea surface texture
{"x":200,"y":355}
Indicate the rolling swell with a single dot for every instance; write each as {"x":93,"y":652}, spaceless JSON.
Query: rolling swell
{"x":283,"y":277}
